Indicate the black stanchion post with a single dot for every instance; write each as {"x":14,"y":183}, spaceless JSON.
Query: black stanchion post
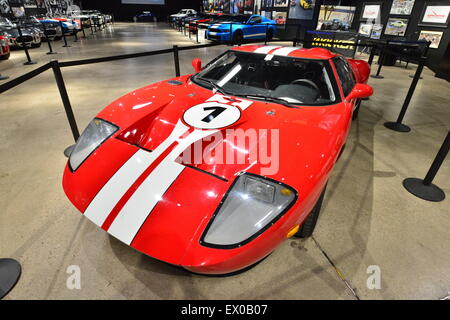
{"x":64,"y":35}
{"x":425,"y":189}
{"x":25,"y":48}
{"x":75,"y":35}
{"x":50,"y":49}
{"x":196,"y":35}
{"x":265,"y":38}
{"x":231,"y":34}
{"x":176,"y":61}
{"x":82,"y":29}
{"x":10,"y":271}
{"x":372,"y":53}
{"x":381,"y":62}
{"x":425,"y":54}
{"x":398,"y":125}
{"x":65,"y":99}
{"x":92,"y":27}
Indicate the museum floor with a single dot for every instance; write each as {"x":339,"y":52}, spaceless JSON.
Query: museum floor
{"x":368,"y":218}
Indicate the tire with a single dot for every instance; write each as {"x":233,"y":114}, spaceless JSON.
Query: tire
{"x":308,"y":226}
{"x":5,"y":56}
{"x":356,"y":112}
{"x":269,"y":34}
{"x":238,"y":37}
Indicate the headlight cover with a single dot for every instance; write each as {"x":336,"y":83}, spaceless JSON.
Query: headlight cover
{"x":92,"y":137}
{"x":252,"y":205}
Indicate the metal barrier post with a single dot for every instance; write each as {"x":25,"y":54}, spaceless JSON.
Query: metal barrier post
{"x":92,"y":27}
{"x":176,"y":60}
{"x":82,"y":29}
{"x":381,"y":62}
{"x":76,"y":37}
{"x":372,"y":54}
{"x":425,"y":189}
{"x":196,"y":35}
{"x":398,"y":125}
{"x":265,"y":38}
{"x":231,"y":33}
{"x":48,"y":41}
{"x":29,"y":62}
{"x":65,"y":98}
{"x":64,"y":35}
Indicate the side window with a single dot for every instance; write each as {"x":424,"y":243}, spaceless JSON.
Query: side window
{"x":256,"y":20}
{"x":345,"y":74}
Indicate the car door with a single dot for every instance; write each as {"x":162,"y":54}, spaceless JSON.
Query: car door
{"x":254,"y":28}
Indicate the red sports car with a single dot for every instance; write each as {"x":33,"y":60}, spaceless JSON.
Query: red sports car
{"x":4,"y":47}
{"x":212,"y":171}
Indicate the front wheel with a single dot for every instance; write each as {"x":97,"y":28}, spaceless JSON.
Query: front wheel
{"x":238,"y":38}
{"x":307,"y":228}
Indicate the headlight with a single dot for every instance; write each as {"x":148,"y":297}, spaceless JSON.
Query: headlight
{"x":251,"y":206}
{"x":93,"y":136}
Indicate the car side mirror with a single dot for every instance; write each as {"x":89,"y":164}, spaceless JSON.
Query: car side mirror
{"x":197,"y":64}
{"x":360,"y":91}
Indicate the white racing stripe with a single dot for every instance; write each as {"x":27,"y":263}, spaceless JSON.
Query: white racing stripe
{"x":254,"y":35}
{"x":100,"y":207}
{"x":284,"y":51}
{"x":139,"y":206}
{"x":266,"y":49}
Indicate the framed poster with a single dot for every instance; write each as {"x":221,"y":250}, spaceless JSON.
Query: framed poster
{"x":267,"y":3}
{"x":18,"y":11}
{"x":371,"y":11}
{"x":365,"y":29}
{"x":376,"y":31}
{"x":302,"y":10}
{"x":281,"y":3}
{"x":280,"y":17}
{"x":396,"y":27}
{"x":435,"y":15}
{"x":335,"y":18}
{"x":402,"y":7}
{"x":434,"y":37}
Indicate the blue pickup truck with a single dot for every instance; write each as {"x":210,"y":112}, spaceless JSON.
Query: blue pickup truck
{"x":242,"y":27}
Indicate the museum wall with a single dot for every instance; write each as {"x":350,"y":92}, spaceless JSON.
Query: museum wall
{"x":413,"y":30}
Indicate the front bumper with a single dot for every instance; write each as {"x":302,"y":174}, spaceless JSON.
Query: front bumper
{"x":218,"y":36}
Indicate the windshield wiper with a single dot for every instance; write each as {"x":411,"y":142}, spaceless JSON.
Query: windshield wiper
{"x":268,"y":98}
{"x":214,"y":85}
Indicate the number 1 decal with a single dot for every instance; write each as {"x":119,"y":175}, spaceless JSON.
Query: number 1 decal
{"x":212,"y":115}
{"x":217,"y":111}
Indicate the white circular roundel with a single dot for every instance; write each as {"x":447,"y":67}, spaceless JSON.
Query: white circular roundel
{"x":211,"y":115}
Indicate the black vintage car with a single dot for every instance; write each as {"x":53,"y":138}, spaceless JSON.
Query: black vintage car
{"x":30,"y":37}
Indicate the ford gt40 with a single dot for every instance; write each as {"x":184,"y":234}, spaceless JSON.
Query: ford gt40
{"x":212,"y":171}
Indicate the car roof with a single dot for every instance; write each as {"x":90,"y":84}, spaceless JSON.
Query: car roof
{"x":313,"y":53}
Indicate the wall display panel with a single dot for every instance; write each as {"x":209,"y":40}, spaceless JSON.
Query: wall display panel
{"x":267,"y":3}
{"x":158,"y":2}
{"x":280,"y":17}
{"x":365,"y":29}
{"x":40,"y":4}
{"x":281,"y":3}
{"x":396,"y":27}
{"x":402,"y":7}
{"x":237,"y":6}
{"x":337,"y":18}
{"x":302,"y":9}
{"x":434,"y":37}
{"x":249,"y":5}
{"x":371,"y":11}
{"x":435,"y":15}
{"x":377,"y":29}
{"x":18,"y":11}
{"x":258,"y":6}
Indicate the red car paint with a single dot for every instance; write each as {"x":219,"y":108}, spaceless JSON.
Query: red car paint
{"x":4,"y":47}
{"x":311,"y":139}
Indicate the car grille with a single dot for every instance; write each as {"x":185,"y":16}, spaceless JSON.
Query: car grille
{"x":210,"y":36}
{"x":215,"y":30}
{"x":25,"y":38}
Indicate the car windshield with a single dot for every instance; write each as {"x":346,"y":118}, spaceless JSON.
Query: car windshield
{"x":294,"y":80}
{"x":241,"y":19}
